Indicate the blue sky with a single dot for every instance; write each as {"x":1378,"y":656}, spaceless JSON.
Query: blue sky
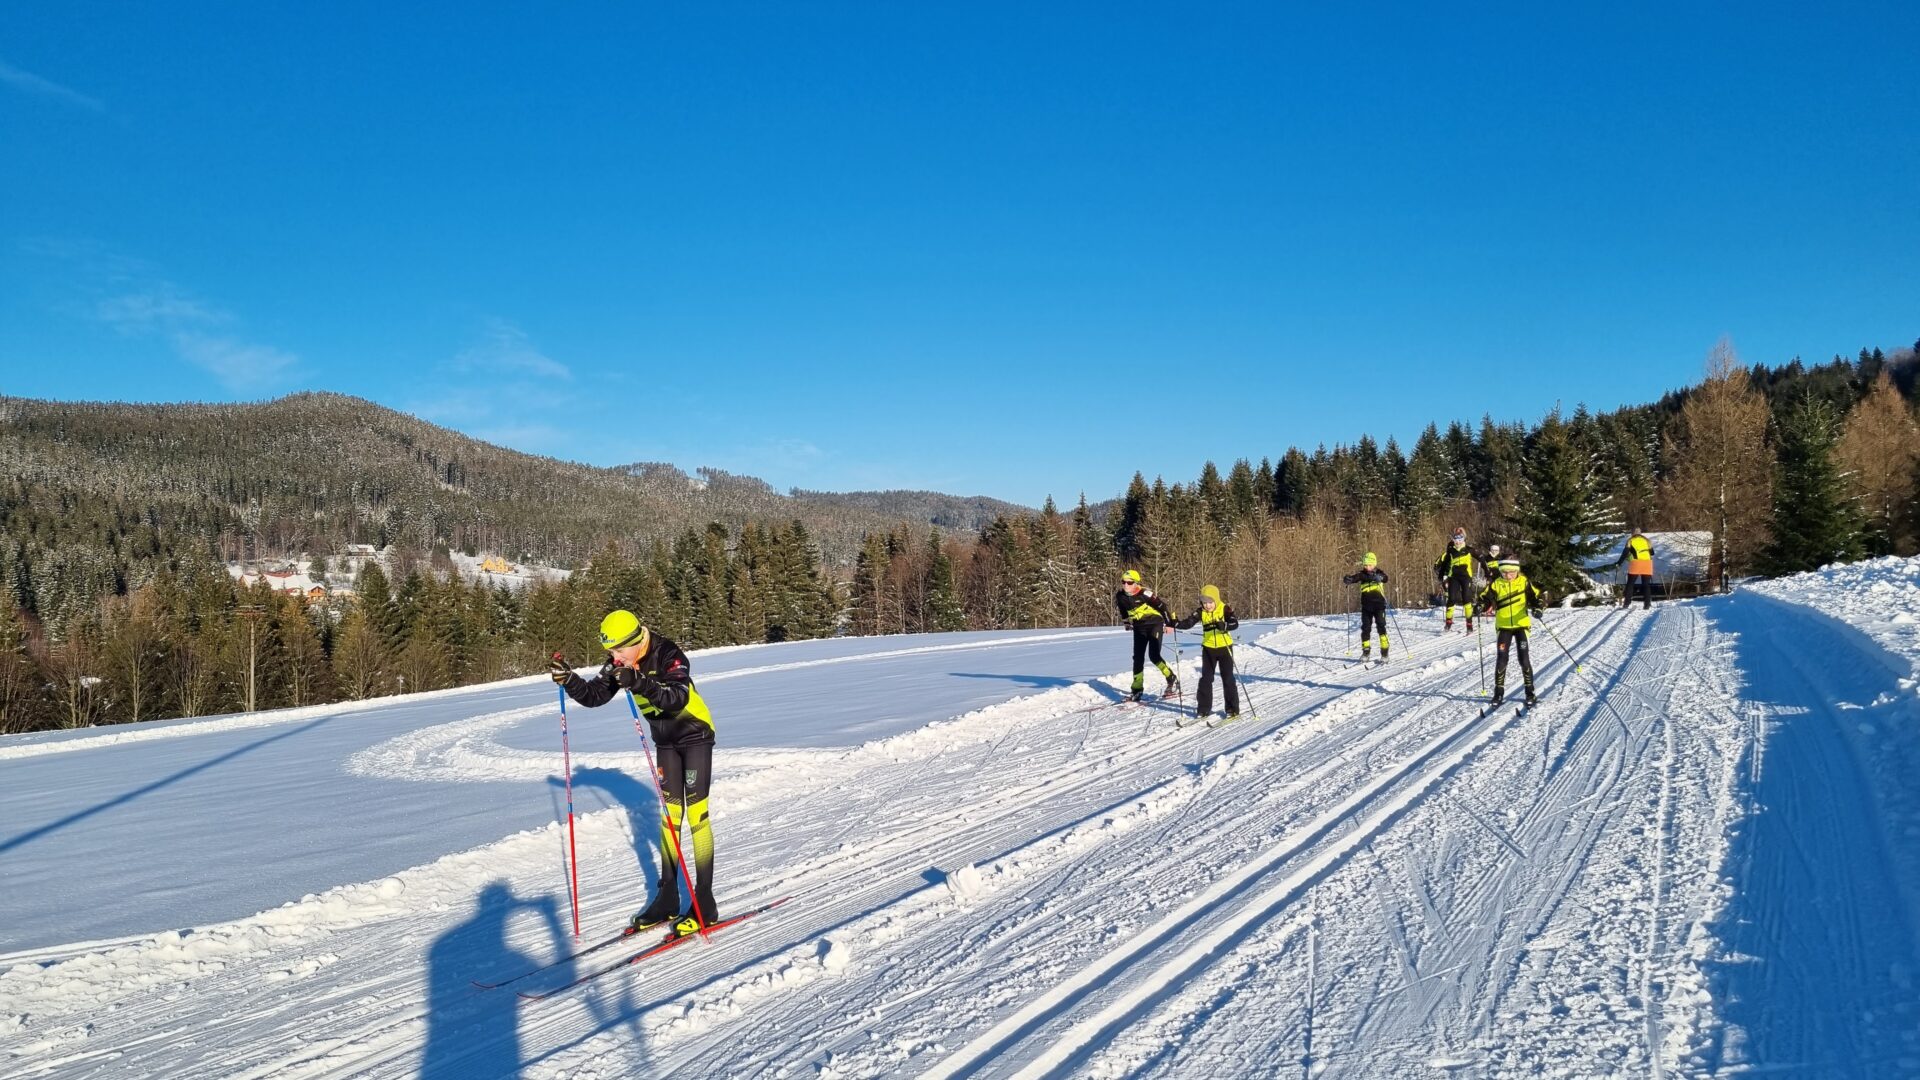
{"x":1001,"y":249}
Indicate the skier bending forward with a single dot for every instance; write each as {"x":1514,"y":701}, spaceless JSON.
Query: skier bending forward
{"x":655,"y":671}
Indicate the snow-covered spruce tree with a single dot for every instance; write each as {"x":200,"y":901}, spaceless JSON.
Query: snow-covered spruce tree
{"x":1093,"y":568}
{"x":867,"y":605}
{"x":1428,"y":481}
{"x":1559,"y":509}
{"x":943,"y":599}
{"x":1815,"y":520}
{"x":1130,"y":518}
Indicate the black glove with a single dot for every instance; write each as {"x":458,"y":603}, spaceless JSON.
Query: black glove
{"x":636,"y":682}
{"x":1539,"y":614}
{"x":558,"y":668}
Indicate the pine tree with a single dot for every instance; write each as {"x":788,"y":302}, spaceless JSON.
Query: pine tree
{"x":1560,"y":516}
{"x":1293,"y":486}
{"x":1127,"y":521}
{"x":1093,"y":564}
{"x":1243,"y":495}
{"x":806,"y":605}
{"x":943,"y":611}
{"x":1427,"y":485}
{"x":360,"y":656}
{"x":377,"y":601}
{"x":1815,"y":519}
{"x":867,"y":613}
{"x":747,"y":585}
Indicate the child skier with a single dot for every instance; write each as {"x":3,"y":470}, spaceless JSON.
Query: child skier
{"x":656,"y":672}
{"x":1373,"y":604}
{"x":1454,"y":569}
{"x":1511,"y":600}
{"x":1148,"y":615}
{"x":1217,"y":623}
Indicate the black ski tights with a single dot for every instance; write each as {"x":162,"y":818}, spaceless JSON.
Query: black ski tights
{"x":1644,"y":583}
{"x":686,"y":773}
{"x":1518,"y":639}
{"x":1222,"y":659}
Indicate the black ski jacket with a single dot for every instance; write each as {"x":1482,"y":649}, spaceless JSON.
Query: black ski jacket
{"x":1145,"y":612}
{"x":1373,"y":593}
{"x":675,"y":711}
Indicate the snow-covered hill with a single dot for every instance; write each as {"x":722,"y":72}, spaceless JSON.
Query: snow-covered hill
{"x":1695,"y":857}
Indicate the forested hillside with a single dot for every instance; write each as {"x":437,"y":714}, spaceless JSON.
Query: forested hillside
{"x":101,"y":494}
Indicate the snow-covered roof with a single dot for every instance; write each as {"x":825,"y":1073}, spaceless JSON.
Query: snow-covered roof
{"x":1677,"y":556}
{"x":283,"y":582}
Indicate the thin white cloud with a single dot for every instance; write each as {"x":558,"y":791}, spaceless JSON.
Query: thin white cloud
{"x":196,"y":331}
{"x":241,"y":365}
{"x":28,"y":82}
{"x":484,"y":390}
{"x":158,"y":306}
{"x":505,"y":349}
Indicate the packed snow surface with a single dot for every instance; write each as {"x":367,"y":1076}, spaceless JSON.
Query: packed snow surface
{"x":1695,"y":857}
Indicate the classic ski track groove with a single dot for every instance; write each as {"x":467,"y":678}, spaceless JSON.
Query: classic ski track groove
{"x":1323,"y":843}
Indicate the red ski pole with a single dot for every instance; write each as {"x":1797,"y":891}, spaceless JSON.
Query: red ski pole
{"x":666,"y":816}
{"x":573,"y":853}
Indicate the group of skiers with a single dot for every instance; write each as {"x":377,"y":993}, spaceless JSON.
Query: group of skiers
{"x":1507,"y":596}
{"x":656,"y":673}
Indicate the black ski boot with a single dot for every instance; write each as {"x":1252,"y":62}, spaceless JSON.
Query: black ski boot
{"x":690,"y":923}
{"x":1173,"y":686}
{"x":1133,"y":696}
{"x":1531,"y":700}
{"x":664,"y":909}
{"x":1499,"y":695}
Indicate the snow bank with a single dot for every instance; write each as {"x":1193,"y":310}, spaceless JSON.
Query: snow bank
{"x":1879,"y":597}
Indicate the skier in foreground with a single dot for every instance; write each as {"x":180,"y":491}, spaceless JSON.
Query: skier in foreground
{"x":1373,"y":604}
{"x":1217,"y":623}
{"x":1149,"y":616}
{"x":1511,"y":600}
{"x":656,"y":672}
{"x":1454,"y":569}
{"x":1638,"y":555}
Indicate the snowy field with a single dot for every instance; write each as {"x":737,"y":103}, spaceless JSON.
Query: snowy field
{"x":1698,"y":856}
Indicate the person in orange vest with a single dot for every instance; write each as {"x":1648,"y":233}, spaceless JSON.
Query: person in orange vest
{"x":1638,"y":555}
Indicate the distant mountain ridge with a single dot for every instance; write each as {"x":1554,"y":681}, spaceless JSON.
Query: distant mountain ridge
{"x":310,"y":468}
